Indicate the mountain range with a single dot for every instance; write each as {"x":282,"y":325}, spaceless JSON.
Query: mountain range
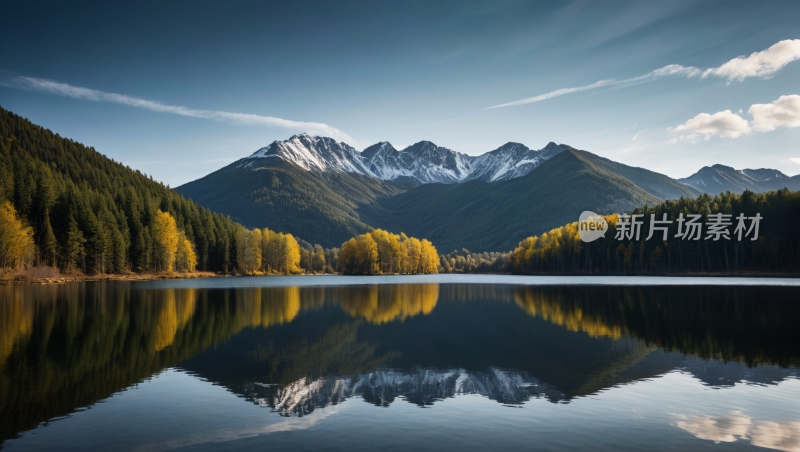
{"x":326,"y":191}
{"x":423,"y":162}
{"x":720,"y":178}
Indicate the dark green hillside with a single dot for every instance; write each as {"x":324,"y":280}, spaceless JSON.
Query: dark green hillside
{"x":484,"y":217}
{"x":321,"y":208}
{"x":654,"y":183}
{"x":92,"y":213}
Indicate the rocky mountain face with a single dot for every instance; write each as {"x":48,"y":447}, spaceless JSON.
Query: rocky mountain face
{"x":423,"y":162}
{"x":720,"y":178}
{"x":511,"y":160}
{"x":317,"y":154}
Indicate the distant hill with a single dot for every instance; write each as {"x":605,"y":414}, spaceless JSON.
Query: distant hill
{"x":720,"y":178}
{"x":484,"y":216}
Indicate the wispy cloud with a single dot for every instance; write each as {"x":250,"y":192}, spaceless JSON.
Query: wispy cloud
{"x":666,"y":71}
{"x":762,"y":64}
{"x":77,"y":92}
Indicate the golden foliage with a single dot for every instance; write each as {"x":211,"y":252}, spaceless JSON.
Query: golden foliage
{"x":381,"y":252}
{"x":381,"y":304}
{"x":165,"y":235}
{"x":554,"y":310}
{"x":16,"y":321}
{"x":16,"y":240}
{"x":550,"y":250}
{"x":185,"y":258}
{"x":264,"y":307}
{"x":176,"y":309}
{"x":248,"y":250}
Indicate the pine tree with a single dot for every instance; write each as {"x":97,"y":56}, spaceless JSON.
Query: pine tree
{"x":75,"y":246}
{"x":49,"y":246}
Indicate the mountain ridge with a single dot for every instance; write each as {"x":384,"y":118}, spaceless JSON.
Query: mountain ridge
{"x":422,"y":162}
{"x":327,"y":192}
{"x":720,"y":178}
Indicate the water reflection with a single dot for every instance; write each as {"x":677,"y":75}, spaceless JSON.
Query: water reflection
{"x":296,"y":349}
{"x":381,"y":304}
{"x":736,"y":426}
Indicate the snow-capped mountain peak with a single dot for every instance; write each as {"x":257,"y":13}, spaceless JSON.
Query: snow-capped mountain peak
{"x":317,"y":154}
{"x":424,"y":161}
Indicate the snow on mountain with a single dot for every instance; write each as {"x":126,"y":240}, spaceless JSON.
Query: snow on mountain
{"x":510,"y":160}
{"x":421,"y":387}
{"x":424,"y":162}
{"x":313,"y":154}
{"x":764,"y":174}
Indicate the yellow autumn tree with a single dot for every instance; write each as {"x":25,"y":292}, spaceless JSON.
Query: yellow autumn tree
{"x":248,"y":250}
{"x":165,"y":238}
{"x":367,"y":254}
{"x":185,"y":257}
{"x":290,"y":253}
{"x":16,"y":240}
{"x":269,"y":251}
{"x":413,"y":251}
{"x":549,"y":251}
{"x":391,"y":252}
{"x":381,"y":252}
{"x":428,"y":259}
{"x":348,"y":256}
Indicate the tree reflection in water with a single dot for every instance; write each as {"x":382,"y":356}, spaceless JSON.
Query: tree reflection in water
{"x":64,"y":347}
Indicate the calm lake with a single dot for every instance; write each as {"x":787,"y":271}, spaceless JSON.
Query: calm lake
{"x":437,"y":362}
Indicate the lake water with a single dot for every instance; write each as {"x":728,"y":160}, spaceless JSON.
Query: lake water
{"x":437,"y":362}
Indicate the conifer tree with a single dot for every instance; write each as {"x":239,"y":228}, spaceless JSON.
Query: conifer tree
{"x":75,"y":246}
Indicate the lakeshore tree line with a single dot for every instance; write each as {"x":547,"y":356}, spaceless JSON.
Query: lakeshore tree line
{"x":64,"y":205}
{"x":776,"y":249}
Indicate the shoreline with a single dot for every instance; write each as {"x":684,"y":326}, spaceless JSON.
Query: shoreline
{"x":206,"y":275}
{"x":112,"y":277}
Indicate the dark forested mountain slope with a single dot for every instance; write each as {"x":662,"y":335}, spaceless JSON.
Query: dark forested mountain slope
{"x":319,"y":206}
{"x":93,"y":213}
{"x":484,"y":216}
{"x":654,"y":183}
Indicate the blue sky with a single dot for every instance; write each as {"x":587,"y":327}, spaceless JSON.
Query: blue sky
{"x":410,"y":71}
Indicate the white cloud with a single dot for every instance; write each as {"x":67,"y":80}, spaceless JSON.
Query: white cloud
{"x":796,"y":160}
{"x":76,"y":92}
{"x":666,"y":71}
{"x":763,"y":64}
{"x":783,"y":112}
{"x":724,"y":123}
{"x":637,"y":134}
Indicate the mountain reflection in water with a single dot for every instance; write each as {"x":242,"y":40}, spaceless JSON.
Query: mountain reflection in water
{"x":294,"y":349}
